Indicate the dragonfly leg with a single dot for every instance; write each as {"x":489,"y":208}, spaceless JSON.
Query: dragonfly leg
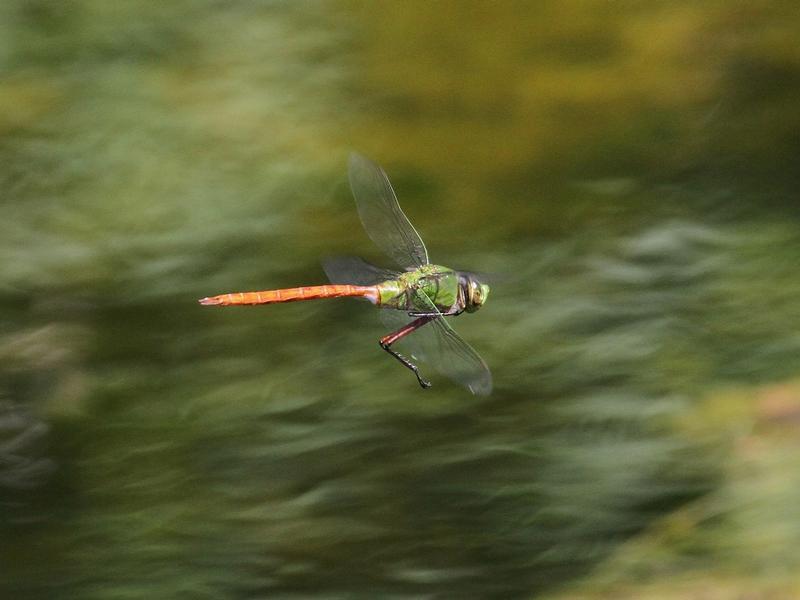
{"x":387,"y":341}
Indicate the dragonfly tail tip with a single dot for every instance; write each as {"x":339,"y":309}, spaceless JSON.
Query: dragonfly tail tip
{"x":209,"y":301}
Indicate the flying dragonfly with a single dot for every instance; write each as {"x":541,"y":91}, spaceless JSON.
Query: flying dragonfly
{"x":417,"y":300}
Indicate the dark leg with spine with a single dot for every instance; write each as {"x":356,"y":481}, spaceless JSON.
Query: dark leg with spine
{"x":387,"y":341}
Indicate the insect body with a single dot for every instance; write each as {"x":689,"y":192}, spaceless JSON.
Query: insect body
{"x":426,"y":293}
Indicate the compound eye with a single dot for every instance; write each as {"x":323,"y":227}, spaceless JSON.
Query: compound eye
{"x":475,"y":290}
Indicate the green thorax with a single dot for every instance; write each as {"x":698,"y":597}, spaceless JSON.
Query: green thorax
{"x":440,"y":284}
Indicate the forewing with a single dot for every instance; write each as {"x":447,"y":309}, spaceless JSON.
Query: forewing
{"x":439,"y":346}
{"x":380,"y":213}
{"x":355,"y":270}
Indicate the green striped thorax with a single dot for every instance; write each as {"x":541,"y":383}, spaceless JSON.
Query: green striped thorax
{"x":451,"y":291}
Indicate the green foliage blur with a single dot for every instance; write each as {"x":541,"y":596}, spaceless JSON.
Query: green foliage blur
{"x":627,"y":170}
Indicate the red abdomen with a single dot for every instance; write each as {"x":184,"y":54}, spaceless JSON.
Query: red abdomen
{"x":293,"y":295}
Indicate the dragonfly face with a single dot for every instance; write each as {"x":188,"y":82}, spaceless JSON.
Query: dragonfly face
{"x":477,"y":293}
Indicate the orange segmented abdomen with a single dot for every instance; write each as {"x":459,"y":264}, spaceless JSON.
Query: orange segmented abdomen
{"x":293,"y":295}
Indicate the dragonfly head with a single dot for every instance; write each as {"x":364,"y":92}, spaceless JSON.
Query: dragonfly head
{"x":477,"y":293}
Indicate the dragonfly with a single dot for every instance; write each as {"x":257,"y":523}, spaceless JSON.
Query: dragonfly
{"x":417,"y":299}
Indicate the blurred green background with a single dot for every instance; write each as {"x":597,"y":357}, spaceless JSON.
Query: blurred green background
{"x":628,"y":169}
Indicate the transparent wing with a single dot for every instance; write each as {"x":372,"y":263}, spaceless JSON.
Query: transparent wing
{"x":439,"y":346}
{"x":355,"y":270}
{"x":381,"y":216}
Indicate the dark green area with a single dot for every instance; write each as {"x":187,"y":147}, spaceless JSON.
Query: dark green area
{"x":628,"y":171}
